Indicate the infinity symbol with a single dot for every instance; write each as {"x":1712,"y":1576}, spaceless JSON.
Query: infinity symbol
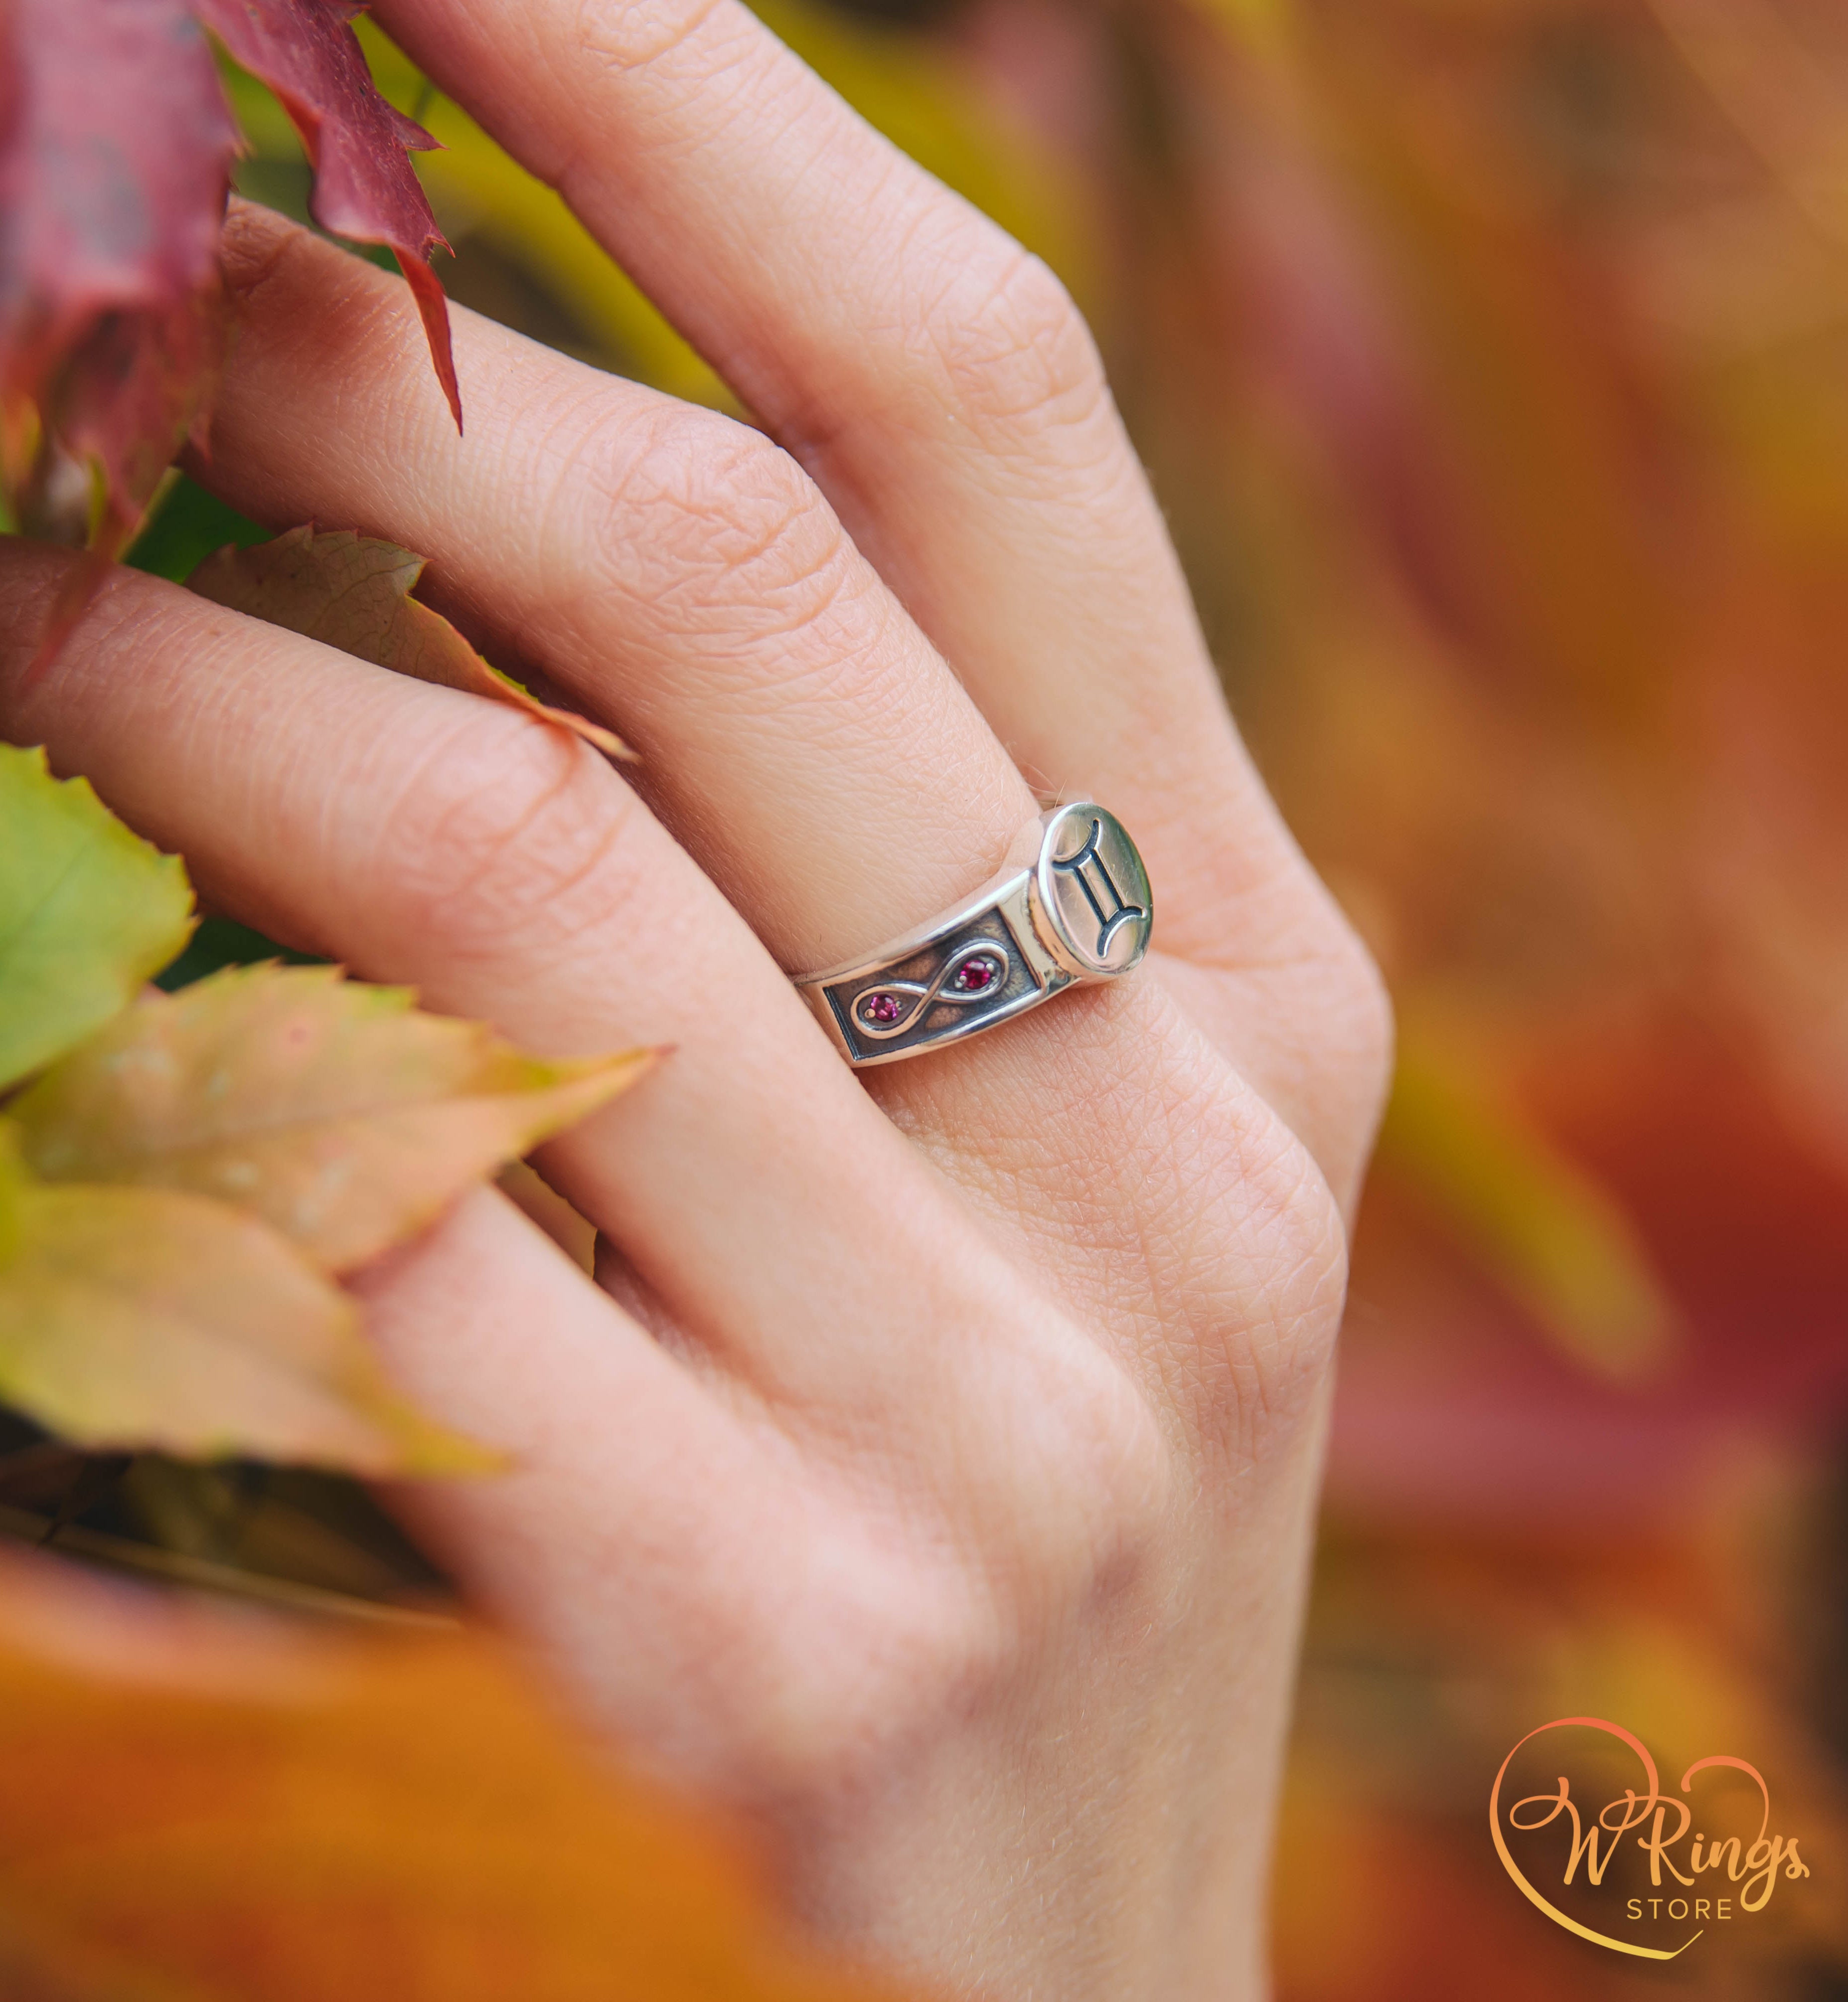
{"x":972,"y":973}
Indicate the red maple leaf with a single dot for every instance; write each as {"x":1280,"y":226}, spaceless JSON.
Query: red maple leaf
{"x":116,"y":144}
{"x":364,"y":188}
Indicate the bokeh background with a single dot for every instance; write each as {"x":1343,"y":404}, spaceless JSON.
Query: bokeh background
{"x":1490,"y":359}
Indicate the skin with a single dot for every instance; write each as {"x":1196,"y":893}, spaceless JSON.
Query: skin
{"x":930,"y":1472}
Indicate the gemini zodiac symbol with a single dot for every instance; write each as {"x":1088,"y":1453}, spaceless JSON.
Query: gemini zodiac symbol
{"x":1091,"y":873}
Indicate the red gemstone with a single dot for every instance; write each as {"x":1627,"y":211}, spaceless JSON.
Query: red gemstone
{"x":881,"y":1008}
{"x":978,"y":974}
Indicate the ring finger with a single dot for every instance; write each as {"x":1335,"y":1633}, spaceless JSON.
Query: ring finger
{"x":428,"y":837}
{"x":946,"y":398}
{"x":673,"y":571}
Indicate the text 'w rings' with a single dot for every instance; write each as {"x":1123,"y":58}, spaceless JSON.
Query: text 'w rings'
{"x":1072,"y":905}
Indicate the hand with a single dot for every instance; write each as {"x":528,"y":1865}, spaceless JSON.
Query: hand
{"x":931,"y":1471}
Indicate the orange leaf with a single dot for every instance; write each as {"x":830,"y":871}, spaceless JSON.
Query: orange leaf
{"x":252,"y":1817}
{"x":353,"y":592}
{"x":337,"y":1112}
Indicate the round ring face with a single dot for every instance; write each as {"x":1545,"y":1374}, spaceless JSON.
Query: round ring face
{"x":1092,"y":891}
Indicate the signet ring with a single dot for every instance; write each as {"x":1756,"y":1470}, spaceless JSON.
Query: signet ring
{"x":1072,"y":906}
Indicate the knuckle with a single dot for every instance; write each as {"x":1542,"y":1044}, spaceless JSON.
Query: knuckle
{"x":1010,"y":345}
{"x":286,"y":280}
{"x":1263,"y":1340}
{"x":1304,"y":1279}
{"x":1368,"y":1009}
{"x":1353,"y":1016}
{"x":1246,"y":1242}
{"x":935,"y":1611}
{"x":741,"y":548}
{"x":902,"y":1663}
{"x":499,"y":832}
{"x":256,"y":244}
{"x":622,"y":36}
{"x":1089,"y":1499}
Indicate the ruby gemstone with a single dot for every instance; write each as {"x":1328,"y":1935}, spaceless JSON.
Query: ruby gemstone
{"x":881,"y":1008}
{"x":978,"y":974}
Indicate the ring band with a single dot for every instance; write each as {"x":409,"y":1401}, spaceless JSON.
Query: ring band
{"x":1073,"y":905}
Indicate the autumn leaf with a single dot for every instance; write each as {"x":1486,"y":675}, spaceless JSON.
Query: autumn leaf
{"x":306,"y":51}
{"x":87,"y":912}
{"x":148,"y":1318}
{"x":114,"y":162}
{"x":336,"y":1112}
{"x":116,"y":143}
{"x":248,"y":1812}
{"x":353,"y":592}
{"x":130,"y":391}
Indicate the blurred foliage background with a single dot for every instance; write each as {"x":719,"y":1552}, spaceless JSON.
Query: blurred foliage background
{"x":1491,"y":358}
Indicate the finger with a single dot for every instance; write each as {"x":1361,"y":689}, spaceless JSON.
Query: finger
{"x":671,"y":569}
{"x":640,"y":1508}
{"x":595,"y":1528}
{"x":635,"y":1506}
{"x":945,"y":395}
{"x":505,"y":870}
{"x":801,"y":738}
{"x":937,"y":380}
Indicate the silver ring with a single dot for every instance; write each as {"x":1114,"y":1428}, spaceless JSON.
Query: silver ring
{"x":1072,"y":905}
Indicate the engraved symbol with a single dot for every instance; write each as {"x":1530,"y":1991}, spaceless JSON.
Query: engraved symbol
{"x":1091,"y":874}
{"x":972,"y":973}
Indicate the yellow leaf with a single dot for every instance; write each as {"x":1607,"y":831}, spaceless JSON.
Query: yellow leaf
{"x":88,"y":912}
{"x":353,"y":592}
{"x":146,"y":1318}
{"x":336,"y":1112}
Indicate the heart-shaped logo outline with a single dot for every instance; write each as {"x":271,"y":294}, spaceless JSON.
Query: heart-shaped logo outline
{"x":1635,"y":1807}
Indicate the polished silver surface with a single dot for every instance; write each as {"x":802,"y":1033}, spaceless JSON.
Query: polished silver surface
{"x":1072,"y":905}
{"x":1092,"y":892}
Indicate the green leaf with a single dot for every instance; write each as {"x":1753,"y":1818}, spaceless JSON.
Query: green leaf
{"x":87,"y":912}
{"x":353,"y":592}
{"x":134,"y":1319}
{"x":337,"y":1112}
{"x":220,"y":942}
{"x":185,"y":525}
